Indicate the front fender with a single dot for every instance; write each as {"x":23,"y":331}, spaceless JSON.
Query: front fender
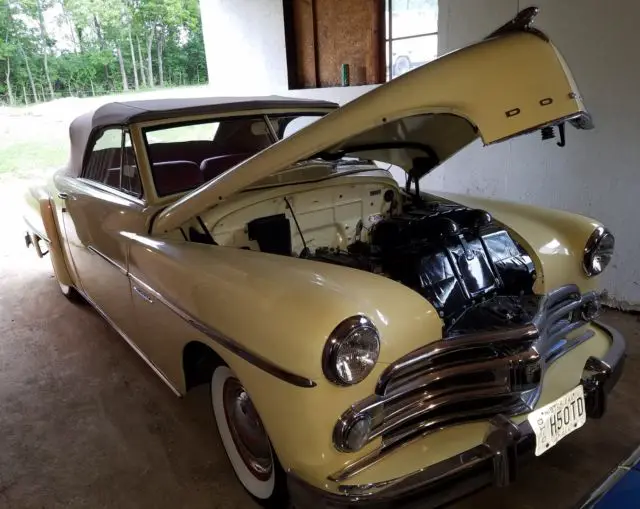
{"x":554,"y":238}
{"x":282,"y":308}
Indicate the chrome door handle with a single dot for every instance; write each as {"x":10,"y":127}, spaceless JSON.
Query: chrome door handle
{"x":63,"y":196}
{"x":143,"y":295}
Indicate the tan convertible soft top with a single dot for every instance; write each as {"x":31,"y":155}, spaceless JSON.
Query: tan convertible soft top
{"x":129,"y":112}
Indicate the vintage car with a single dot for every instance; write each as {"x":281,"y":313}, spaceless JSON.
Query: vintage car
{"x":364,"y":341}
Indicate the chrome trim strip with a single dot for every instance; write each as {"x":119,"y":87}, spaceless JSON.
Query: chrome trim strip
{"x":142,"y":295}
{"x":108,"y":259}
{"x":272,"y":131}
{"x":111,"y":190}
{"x":433,"y":473}
{"x":425,"y":354}
{"x":135,"y":348}
{"x":564,"y":347}
{"x":567,"y":118}
{"x":227,"y":342}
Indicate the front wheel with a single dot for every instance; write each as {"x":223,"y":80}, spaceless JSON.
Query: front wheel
{"x":245,"y":440}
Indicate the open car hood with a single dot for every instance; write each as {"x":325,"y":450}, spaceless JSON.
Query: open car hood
{"x":509,"y":84}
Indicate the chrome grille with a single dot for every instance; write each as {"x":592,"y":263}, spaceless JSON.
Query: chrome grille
{"x":472,"y":376}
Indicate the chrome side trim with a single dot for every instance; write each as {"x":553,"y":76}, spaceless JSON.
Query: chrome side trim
{"x":135,"y":348}
{"x":108,"y":259}
{"x":225,"y":341}
{"x":142,"y":295}
{"x":111,"y":190}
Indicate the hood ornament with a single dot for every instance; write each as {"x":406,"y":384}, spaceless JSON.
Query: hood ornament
{"x":521,"y":23}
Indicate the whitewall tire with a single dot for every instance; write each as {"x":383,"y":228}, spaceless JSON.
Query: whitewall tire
{"x":245,"y":440}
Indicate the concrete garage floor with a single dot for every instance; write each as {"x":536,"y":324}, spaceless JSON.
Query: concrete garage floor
{"x":85,"y":423}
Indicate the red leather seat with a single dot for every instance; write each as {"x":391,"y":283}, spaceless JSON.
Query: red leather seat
{"x":214,"y":166}
{"x":172,"y":177}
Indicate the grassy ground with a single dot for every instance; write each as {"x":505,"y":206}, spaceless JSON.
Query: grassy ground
{"x":34,"y":139}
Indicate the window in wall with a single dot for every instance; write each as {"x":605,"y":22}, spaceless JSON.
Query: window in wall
{"x":326,"y":37}
{"x":411,"y":34}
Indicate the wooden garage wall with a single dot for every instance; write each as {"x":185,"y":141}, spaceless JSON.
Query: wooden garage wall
{"x":322,"y":35}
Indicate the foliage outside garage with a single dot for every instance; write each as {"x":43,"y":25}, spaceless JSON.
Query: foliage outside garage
{"x":62,"y":48}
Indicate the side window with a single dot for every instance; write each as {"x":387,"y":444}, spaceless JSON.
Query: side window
{"x":130,"y":176}
{"x":112,"y":162}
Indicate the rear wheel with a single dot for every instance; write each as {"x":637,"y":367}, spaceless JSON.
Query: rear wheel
{"x":67,"y":290}
{"x":245,"y":440}
{"x":70,"y":293}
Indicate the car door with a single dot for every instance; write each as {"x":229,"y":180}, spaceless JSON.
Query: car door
{"x":102,"y":204}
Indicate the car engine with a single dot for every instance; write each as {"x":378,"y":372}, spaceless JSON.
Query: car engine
{"x":463,"y":261}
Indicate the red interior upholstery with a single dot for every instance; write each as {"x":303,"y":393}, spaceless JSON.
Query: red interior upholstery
{"x":194,"y":151}
{"x":214,"y":166}
{"x":129,"y":184}
{"x":172,"y":177}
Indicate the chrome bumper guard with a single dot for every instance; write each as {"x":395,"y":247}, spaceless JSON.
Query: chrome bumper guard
{"x":494,"y":461}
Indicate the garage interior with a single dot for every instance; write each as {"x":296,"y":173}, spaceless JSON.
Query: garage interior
{"x":85,"y":423}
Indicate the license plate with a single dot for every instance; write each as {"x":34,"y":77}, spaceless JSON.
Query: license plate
{"x":552,"y":422}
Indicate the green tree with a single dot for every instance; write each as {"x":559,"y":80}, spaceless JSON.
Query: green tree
{"x":96,"y":47}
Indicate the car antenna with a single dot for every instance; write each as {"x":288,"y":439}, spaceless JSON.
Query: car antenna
{"x":305,"y":252}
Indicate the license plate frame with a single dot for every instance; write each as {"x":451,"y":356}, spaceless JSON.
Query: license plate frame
{"x":554,"y":421}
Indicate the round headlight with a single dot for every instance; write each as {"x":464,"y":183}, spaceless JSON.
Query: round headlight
{"x":351,"y":351}
{"x":598,"y":251}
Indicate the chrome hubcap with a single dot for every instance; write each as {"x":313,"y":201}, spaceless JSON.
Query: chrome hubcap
{"x":246,"y":429}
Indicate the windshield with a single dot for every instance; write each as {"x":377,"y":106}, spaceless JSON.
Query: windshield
{"x":184,"y":156}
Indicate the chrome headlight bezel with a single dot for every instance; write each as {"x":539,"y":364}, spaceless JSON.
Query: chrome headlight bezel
{"x":600,"y":239}
{"x":344,"y":333}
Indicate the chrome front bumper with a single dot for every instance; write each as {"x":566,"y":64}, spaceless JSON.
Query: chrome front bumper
{"x":494,"y":461}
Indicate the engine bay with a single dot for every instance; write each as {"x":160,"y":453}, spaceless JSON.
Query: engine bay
{"x":458,"y":258}
{"x":463,"y":261}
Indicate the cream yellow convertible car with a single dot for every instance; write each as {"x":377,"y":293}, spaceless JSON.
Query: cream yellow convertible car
{"x":364,"y":342}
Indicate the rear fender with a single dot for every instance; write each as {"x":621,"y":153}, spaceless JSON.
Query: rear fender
{"x":45,"y":207}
